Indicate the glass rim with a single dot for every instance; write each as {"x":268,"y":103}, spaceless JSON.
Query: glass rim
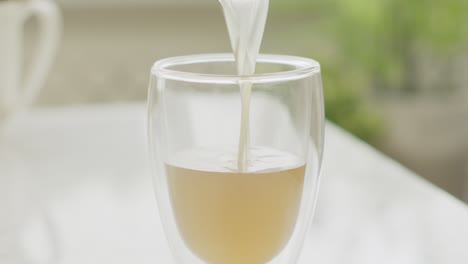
{"x":304,"y":67}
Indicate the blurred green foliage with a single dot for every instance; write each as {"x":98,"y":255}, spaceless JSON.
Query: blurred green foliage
{"x":378,"y":47}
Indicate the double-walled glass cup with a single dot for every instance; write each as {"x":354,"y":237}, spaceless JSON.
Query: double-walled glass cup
{"x":212,"y":211}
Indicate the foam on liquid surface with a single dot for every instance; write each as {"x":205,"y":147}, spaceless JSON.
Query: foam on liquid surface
{"x":261,"y":160}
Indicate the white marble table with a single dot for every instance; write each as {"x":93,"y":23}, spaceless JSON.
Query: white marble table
{"x":75,"y":188}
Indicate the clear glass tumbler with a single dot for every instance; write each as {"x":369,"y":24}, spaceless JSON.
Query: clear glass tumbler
{"x":212,"y":211}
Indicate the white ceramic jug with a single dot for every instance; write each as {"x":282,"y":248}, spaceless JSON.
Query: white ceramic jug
{"x":18,"y":90}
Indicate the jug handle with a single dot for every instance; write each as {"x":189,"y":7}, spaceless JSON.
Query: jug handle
{"x":50,"y":27}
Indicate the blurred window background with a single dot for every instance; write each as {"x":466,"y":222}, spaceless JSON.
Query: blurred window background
{"x":395,"y":71}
